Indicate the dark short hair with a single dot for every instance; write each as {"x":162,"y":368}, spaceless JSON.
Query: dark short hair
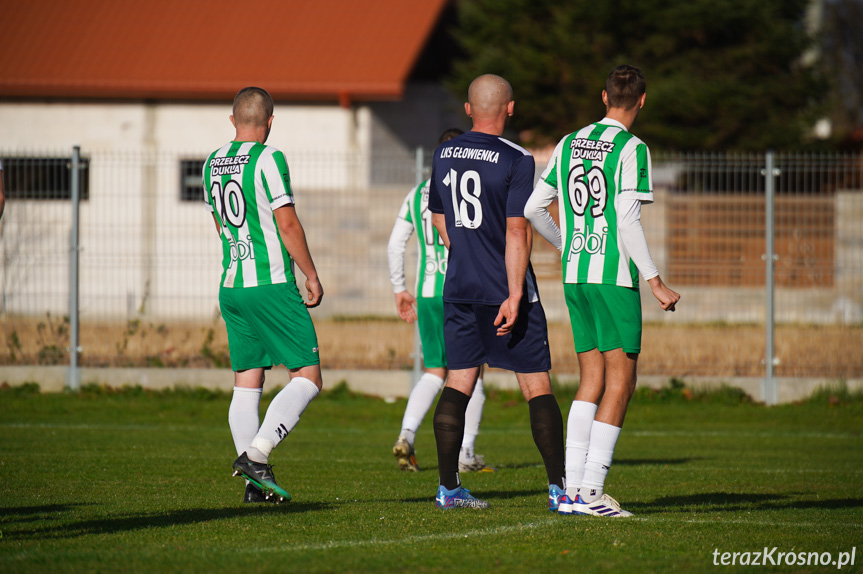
{"x":624,"y":87}
{"x":448,"y":135}
{"x":253,"y":105}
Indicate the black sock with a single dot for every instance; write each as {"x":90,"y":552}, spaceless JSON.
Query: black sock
{"x":546,"y":424}
{"x":448,"y":434}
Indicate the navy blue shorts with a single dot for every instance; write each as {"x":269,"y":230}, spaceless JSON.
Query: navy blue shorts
{"x":471,"y":338}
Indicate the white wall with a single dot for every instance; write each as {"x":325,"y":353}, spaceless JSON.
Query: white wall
{"x":143,"y":248}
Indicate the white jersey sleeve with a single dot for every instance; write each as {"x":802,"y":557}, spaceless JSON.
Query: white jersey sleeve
{"x":632,"y":236}
{"x":401,"y":234}
{"x":536,"y":211}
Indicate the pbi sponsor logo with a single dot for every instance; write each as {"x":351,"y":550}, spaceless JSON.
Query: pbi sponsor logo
{"x":242,"y":249}
{"x":436,"y":264}
{"x":588,"y":242}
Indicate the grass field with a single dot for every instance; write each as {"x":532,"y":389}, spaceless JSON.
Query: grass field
{"x":136,"y":481}
{"x":684,"y":350}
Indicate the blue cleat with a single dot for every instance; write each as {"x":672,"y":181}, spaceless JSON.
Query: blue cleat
{"x":457,"y":498}
{"x":556,"y":495}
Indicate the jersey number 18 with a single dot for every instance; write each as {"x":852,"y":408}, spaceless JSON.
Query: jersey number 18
{"x":469,"y":189}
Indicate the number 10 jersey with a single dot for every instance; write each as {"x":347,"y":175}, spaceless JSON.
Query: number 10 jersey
{"x":244,"y":183}
{"x":592,"y":169}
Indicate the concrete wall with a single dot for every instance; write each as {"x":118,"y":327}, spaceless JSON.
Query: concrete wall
{"x":385,"y":384}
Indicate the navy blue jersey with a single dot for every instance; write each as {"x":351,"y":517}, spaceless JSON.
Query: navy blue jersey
{"x":478,"y":180}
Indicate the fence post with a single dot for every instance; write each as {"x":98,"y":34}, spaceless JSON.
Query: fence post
{"x":768,"y":389}
{"x":73,"y":376}
{"x":417,"y":354}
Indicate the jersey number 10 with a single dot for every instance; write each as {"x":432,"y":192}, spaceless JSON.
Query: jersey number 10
{"x":230,"y":202}
{"x":464,"y":189}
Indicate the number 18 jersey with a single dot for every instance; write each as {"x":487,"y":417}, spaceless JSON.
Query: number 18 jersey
{"x":244,"y":183}
{"x":478,"y":181}
{"x":592,"y":169}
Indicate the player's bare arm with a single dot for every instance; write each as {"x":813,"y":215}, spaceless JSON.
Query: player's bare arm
{"x":518,"y":244}
{"x":439,"y":222}
{"x":294,"y":238}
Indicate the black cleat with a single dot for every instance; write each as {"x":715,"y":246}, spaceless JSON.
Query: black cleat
{"x":260,"y":476}
{"x":253,"y":495}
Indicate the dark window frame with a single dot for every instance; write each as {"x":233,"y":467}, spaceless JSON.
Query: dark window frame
{"x":191,"y":186}
{"x":43,"y":178}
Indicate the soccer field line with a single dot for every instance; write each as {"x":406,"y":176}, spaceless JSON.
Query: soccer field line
{"x":418,"y":538}
{"x":507,"y":529}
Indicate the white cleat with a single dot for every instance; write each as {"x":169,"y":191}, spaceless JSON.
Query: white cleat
{"x":474,"y":463}
{"x":603,"y":506}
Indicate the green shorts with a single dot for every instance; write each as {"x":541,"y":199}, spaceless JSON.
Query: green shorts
{"x":268,"y":325}
{"x":430,"y":315}
{"x":604,"y":317}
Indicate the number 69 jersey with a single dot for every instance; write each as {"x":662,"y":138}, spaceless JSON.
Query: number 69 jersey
{"x":478,"y":180}
{"x":244,"y":182}
{"x":592,"y":169}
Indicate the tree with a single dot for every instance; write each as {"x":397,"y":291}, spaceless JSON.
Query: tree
{"x":842,"y":46}
{"x":721,"y":74}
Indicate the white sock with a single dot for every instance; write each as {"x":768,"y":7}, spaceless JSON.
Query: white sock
{"x":603,"y":437}
{"x":472,"y":418}
{"x":578,"y":425}
{"x":420,"y":401}
{"x":243,"y":417}
{"x":282,"y":416}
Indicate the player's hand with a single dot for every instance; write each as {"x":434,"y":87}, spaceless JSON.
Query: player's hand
{"x":315,"y":292}
{"x":506,"y":316}
{"x":666,"y":297}
{"x":405,"y":306}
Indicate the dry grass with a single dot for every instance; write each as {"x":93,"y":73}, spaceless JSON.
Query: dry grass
{"x":685,"y":350}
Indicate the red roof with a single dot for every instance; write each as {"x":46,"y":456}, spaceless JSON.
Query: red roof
{"x":208,"y":49}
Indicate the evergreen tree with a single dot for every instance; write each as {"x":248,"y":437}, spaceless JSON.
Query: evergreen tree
{"x":721,"y":74}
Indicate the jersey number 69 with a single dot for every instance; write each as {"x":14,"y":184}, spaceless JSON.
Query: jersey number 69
{"x":584,"y":186}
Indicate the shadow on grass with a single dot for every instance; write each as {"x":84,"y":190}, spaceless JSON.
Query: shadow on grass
{"x":7,"y":511}
{"x":170,"y":519}
{"x":737,"y":502}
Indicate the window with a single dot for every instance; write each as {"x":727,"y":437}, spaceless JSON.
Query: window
{"x":43,"y":178}
{"x":191,"y":188}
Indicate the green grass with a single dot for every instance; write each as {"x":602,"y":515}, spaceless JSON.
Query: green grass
{"x":138,"y":481}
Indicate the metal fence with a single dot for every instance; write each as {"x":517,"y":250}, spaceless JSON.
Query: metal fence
{"x":150,"y":262}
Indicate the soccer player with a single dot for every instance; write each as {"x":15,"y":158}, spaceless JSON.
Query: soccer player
{"x":248,"y":190}
{"x":492,"y":314}
{"x":2,"y":197}
{"x":427,"y":308}
{"x":601,"y":175}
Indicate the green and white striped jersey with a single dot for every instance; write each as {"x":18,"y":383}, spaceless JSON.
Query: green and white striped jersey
{"x":592,"y":169}
{"x":244,"y":182}
{"x":432,"y":258}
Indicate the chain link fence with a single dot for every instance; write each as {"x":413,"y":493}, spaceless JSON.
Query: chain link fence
{"x":150,"y":262}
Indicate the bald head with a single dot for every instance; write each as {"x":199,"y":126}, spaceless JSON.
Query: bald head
{"x":488,"y":96}
{"x":253,"y":107}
